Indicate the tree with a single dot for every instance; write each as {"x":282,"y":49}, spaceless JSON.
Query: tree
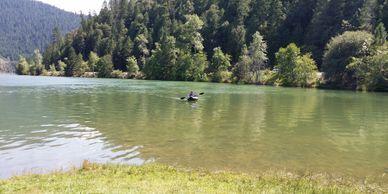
{"x":380,"y":34}
{"x":371,"y":71}
{"x":190,"y":37}
{"x":295,"y":69}
{"x":339,"y":53}
{"x":22,"y":68}
{"x":93,"y":59}
{"x":132,"y":66}
{"x":368,"y":15}
{"x":212,"y":18}
{"x":141,"y":50}
{"x":61,"y":66}
{"x":121,"y":53}
{"x":242,"y":69}
{"x":71,"y":62}
{"x":105,"y":66}
{"x":37,"y":66}
{"x":168,"y":58}
{"x":258,"y":54}
{"x":37,"y":58}
{"x":163,"y":62}
{"x":80,"y":66}
{"x":286,"y":61}
{"x":305,"y":71}
{"x":196,"y":71}
{"x":220,"y":61}
{"x":219,"y":65}
{"x":152,"y":68}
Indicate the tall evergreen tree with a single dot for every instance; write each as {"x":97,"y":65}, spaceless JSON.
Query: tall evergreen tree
{"x":380,"y":34}
{"x":258,"y":54}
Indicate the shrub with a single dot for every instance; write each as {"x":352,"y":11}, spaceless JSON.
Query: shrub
{"x":339,"y":53}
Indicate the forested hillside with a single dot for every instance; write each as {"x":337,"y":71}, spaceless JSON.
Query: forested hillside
{"x":227,"y":41}
{"x":26,"y":25}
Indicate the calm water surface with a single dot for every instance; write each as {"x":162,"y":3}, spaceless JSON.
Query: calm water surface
{"x":56,"y":123}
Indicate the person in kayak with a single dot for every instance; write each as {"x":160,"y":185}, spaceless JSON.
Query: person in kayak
{"x":191,"y":94}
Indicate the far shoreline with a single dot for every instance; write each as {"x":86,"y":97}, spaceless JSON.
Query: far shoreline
{"x":319,"y":87}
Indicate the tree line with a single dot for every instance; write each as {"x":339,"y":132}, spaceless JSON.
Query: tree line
{"x":278,"y":42}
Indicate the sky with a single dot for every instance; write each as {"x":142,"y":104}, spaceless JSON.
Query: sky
{"x":76,"y":5}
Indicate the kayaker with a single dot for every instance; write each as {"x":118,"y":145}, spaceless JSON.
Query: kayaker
{"x":191,"y":94}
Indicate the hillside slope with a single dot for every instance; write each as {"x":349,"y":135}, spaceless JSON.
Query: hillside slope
{"x":27,"y":25}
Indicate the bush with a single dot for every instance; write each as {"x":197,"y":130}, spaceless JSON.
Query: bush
{"x":222,"y":77}
{"x":268,"y":77}
{"x":371,"y":72}
{"x":22,"y":68}
{"x":118,"y":74}
{"x":339,"y":53}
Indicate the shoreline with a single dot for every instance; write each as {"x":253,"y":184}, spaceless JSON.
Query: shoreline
{"x":156,"y":178}
{"x":319,"y":87}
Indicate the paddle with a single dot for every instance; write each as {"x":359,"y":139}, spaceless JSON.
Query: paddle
{"x":202,"y":93}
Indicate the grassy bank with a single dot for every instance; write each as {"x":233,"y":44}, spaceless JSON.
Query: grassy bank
{"x":94,"y":178}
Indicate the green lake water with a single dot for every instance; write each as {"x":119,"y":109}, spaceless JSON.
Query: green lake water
{"x":56,"y":123}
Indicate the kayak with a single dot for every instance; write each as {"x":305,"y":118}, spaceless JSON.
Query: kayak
{"x":192,"y":98}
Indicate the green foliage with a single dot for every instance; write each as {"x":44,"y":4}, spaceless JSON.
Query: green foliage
{"x":141,"y":49}
{"x":258,"y":54}
{"x":174,"y":40}
{"x":380,"y":34}
{"x":286,"y":61}
{"x":295,"y":69}
{"x":220,"y":61}
{"x":22,"y":68}
{"x":219,"y":66}
{"x":339,"y":53}
{"x":241,"y":71}
{"x":118,"y":74}
{"x":371,"y":71}
{"x":163,"y":63}
{"x":268,"y":77}
{"x":61,"y":67}
{"x":27,"y":25}
{"x":121,"y":53}
{"x":190,"y":38}
{"x":105,"y":66}
{"x":132,"y":67}
{"x":305,"y":71}
{"x":93,"y":59}
{"x":222,"y":76}
{"x":74,"y":64}
{"x":196,"y":71}
{"x":53,"y":71}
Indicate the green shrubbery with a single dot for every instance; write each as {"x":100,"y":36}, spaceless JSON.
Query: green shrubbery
{"x":339,"y":53}
{"x":295,"y":69}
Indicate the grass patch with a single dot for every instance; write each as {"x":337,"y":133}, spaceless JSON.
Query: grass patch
{"x":96,"y":178}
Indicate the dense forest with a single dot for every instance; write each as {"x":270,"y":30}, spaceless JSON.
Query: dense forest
{"x":26,"y":25}
{"x":278,"y":42}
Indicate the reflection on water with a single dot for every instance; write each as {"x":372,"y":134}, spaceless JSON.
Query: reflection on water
{"x":242,"y":128}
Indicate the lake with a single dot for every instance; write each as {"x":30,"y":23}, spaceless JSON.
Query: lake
{"x":52,"y":123}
